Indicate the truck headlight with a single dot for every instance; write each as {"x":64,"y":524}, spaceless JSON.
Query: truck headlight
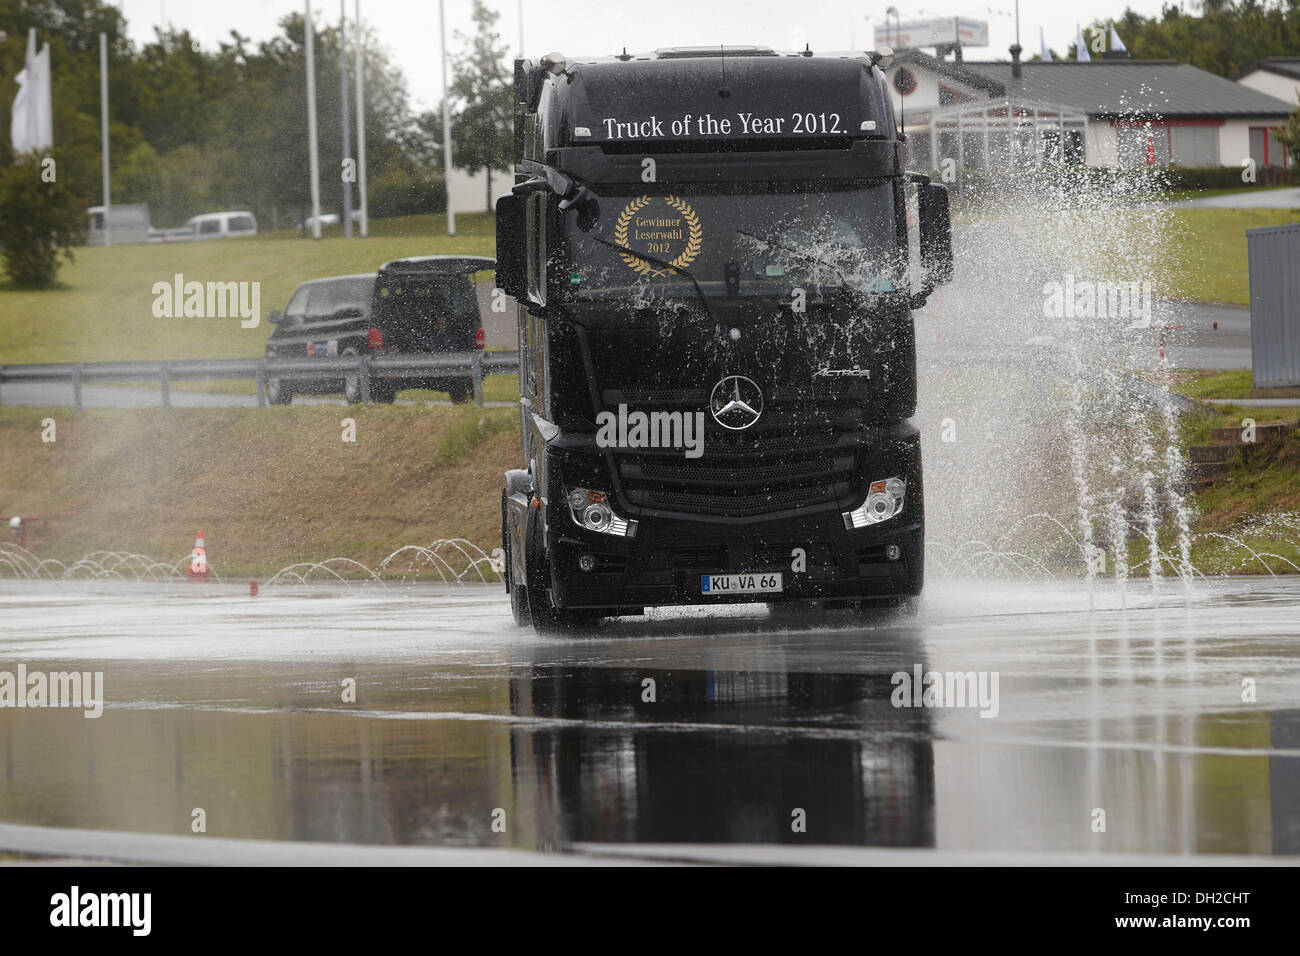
{"x":591,"y":511}
{"x":884,"y":500}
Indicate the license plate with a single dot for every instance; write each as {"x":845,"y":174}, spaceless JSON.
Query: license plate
{"x":327,"y":349}
{"x":723,"y":584}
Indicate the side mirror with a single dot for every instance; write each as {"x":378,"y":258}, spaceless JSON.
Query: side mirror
{"x":273,"y":317}
{"x":511,"y":272}
{"x":936,"y":233}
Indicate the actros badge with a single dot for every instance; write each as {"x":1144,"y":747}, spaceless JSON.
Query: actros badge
{"x":736,"y":402}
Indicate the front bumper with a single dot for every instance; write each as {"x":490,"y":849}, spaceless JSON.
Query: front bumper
{"x":664,"y":562}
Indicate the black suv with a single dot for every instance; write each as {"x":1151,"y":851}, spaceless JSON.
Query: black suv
{"x":418,"y":305}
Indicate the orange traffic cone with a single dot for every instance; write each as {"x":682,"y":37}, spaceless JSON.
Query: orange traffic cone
{"x":198,"y":570}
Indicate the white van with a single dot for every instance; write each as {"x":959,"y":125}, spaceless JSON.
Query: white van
{"x":130,"y":224}
{"x":223,"y":225}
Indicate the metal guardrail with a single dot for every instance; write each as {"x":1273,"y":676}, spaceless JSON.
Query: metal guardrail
{"x":477,"y":364}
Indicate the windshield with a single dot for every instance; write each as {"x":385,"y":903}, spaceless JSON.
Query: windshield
{"x":738,"y":241}
{"x":328,"y":298}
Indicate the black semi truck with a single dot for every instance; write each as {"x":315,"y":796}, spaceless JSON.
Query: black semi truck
{"x":716,"y":253}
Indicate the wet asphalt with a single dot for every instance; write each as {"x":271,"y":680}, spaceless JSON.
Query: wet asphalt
{"x":1164,"y":725}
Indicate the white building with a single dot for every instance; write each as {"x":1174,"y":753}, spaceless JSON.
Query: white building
{"x":1110,"y":112}
{"x":1278,"y":76}
{"x":468,"y":190}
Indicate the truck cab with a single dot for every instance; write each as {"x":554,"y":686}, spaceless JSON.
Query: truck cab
{"x":716,"y":253}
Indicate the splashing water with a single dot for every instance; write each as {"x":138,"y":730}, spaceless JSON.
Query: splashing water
{"x":446,"y":561}
{"x":1030,"y":417}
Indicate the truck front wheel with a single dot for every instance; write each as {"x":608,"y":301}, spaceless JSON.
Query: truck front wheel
{"x":546,"y":618}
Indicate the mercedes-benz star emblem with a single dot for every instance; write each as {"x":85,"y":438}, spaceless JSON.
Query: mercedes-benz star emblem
{"x":736,"y":402}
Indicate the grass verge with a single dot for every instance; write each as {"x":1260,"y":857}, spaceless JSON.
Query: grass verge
{"x":268,"y":487}
{"x":103,"y":309}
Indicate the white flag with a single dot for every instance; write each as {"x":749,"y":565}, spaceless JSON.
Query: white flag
{"x":20,"y":125}
{"x":1081,"y":48}
{"x":32,"y":124}
{"x":1047,"y":54}
{"x":1115,"y":42}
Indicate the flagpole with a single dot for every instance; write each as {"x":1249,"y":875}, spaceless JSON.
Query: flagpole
{"x":309,"y":36}
{"x":446,"y":120}
{"x":103,"y":132}
{"x":361,"y":125}
{"x":29,"y":70}
{"x":343,"y":109}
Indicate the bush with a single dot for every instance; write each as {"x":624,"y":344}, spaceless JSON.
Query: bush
{"x":396,"y":192}
{"x":39,"y":221}
{"x":473,"y":428}
{"x":1219,"y":177}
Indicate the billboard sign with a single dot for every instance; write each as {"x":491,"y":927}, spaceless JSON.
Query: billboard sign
{"x":943,"y":31}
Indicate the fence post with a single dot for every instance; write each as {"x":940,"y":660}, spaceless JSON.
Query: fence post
{"x":477,"y":362}
{"x":261,"y":384}
{"x":76,"y":387}
{"x":166,"y":385}
{"x":363,"y":363}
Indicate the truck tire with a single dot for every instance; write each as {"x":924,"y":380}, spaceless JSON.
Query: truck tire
{"x":518,"y":594}
{"x":546,"y":618}
{"x":460,"y":392}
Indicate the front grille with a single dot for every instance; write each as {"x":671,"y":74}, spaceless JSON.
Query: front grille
{"x":785,"y":463}
{"x":774,"y":553}
{"x":688,"y":558}
{"x":801,"y":455}
{"x":738,"y":504}
{"x":741,"y":475}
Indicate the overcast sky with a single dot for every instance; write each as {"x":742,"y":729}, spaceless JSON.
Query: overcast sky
{"x":409,"y":28}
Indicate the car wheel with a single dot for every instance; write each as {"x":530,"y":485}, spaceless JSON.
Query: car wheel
{"x":278,"y":392}
{"x":351,"y":383}
{"x":460,"y":392}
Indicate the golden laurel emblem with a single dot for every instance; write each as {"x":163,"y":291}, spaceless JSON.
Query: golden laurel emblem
{"x":694,"y":237}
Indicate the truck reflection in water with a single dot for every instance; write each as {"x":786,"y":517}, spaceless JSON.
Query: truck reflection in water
{"x":720,"y":756}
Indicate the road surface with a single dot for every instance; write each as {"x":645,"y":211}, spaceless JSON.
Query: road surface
{"x":1260,"y":199}
{"x":1167,"y":730}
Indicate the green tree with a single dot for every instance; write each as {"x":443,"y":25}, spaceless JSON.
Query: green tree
{"x":1227,"y":37}
{"x":1290,"y":138}
{"x":483,"y":129}
{"x":234,"y":117}
{"x":40,"y":220}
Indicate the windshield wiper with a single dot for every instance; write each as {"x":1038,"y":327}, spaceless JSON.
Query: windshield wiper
{"x":805,"y":256}
{"x":704,"y":300}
